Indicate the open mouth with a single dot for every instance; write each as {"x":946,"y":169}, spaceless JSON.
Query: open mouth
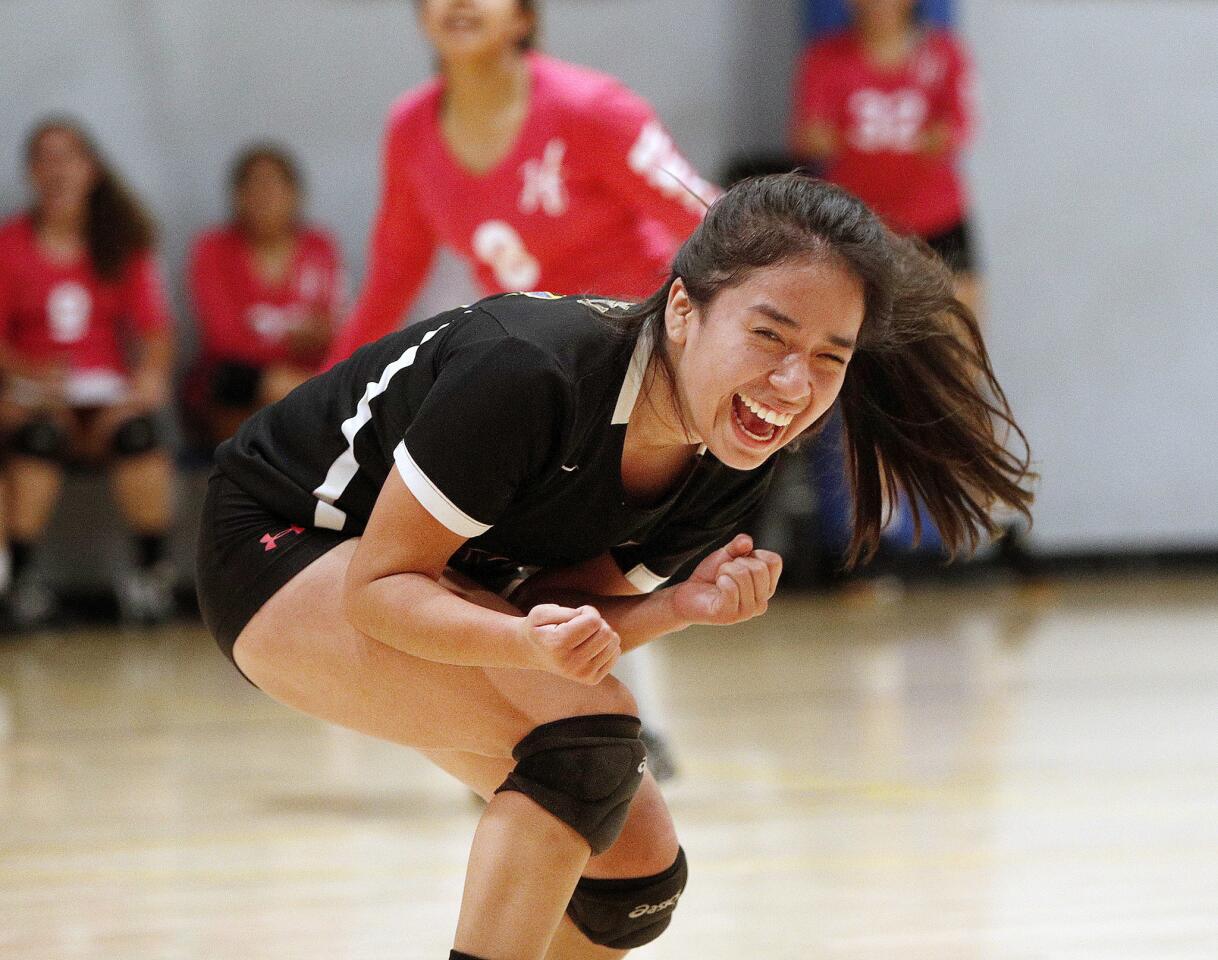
{"x":757,"y":421}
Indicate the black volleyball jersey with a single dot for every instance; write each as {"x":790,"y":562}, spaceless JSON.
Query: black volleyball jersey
{"x":506,"y":419}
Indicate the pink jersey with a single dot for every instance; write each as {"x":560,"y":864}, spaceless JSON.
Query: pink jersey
{"x":66,"y":312}
{"x":878,"y":115}
{"x":243,"y":318}
{"x":592,"y":198}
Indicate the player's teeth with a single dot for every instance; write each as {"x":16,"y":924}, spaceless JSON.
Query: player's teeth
{"x":765,"y":413}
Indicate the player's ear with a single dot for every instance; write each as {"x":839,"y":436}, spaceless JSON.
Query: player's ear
{"x":678,"y":313}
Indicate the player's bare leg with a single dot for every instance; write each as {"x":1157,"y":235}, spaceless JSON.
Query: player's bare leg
{"x":301,"y":650}
{"x":647,"y":844}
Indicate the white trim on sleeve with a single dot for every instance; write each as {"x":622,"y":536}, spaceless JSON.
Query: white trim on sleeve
{"x":643,"y":579}
{"x":433,"y":498}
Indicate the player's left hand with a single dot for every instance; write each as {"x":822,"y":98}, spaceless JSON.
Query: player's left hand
{"x":733,"y":584}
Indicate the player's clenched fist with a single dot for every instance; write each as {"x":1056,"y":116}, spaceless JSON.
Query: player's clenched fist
{"x":734,"y":583}
{"x":574,"y":643}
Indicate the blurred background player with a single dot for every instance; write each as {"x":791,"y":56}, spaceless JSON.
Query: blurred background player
{"x":542,"y":175}
{"x":266,"y":289}
{"x":86,"y":353}
{"x":883,"y":108}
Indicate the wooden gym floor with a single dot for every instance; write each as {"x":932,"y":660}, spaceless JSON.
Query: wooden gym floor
{"x":952,"y":774}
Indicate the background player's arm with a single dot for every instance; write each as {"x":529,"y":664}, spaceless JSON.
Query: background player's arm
{"x":393,"y":593}
{"x":637,"y":159}
{"x":732,"y":584}
{"x":954,"y":112}
{"x":399,"y":257}
{"x":148,"y":309}
{"x":813,"y":133}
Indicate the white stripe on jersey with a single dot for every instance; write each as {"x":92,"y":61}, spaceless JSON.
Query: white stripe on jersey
{"x":634,"y":380}
{"x":643,"y":579}
{"x":343,"y":470}
{"x":432,"y":497}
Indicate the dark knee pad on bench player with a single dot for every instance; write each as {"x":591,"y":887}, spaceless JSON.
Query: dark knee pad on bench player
{"x":40,"y":440}
{"x":583,"y":770}
{"x":624,"y":914}
{"x":135,"y":437}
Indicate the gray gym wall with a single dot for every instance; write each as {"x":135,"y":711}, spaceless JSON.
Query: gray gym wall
{"x":1095,"y":179}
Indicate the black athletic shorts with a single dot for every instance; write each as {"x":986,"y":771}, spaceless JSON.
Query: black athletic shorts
{"x":246,"y":553}
{"x":955,"y":246}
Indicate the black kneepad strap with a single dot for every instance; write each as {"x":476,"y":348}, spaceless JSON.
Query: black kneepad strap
{"x":41,"y":440}
{"x":136,"y":436}
{"x":583,"y":770}
{"x":624,"y":914}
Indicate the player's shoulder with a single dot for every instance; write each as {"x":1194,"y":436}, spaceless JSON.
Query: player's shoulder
{"x":833,"y":47}
{"x":582,"y":93}
{"x":215,"y":240}
{"x":16,"y":230}
{"x":415,"y":106}
{"x":944,"y":41}
{"x":570,"y":334}
{"x":317,"y":240}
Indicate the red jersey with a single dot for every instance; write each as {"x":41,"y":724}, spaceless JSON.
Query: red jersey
{"x":592,"y":198}
{"x":51,"y":311}
{"x":243,"y":318}
{"x":878,"y":115}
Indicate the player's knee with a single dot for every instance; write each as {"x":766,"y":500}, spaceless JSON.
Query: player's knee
{"x":40,"y":440}
{"x":624,"y":914}
{"x":136,"y":436}
{"x":584,"y":771}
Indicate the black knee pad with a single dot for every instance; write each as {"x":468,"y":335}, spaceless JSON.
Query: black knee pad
{"x":136,"y":436}
{"x":41,"y":440}
{"x":583,"y":770}
{"x":235,"y":384}
{"x":625,"y":914}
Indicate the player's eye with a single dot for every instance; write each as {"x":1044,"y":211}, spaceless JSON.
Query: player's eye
{"x":767,"y":334}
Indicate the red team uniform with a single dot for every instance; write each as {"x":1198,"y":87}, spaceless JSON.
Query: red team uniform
{"x":66,"y":314}
{"x":593,"y":197}
{"x":878,"y":115}
{"x":243,"y":319}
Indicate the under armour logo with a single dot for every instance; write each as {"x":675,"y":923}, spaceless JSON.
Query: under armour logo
{"x":271,"y":540}
{"x":543,"y":186}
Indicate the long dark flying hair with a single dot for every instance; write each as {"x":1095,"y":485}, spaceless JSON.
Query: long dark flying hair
{"x":117,"y":227}
{"x":924,"y":414}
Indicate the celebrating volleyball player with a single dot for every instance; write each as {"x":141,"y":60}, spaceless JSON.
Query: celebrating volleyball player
{"x":86,"y":355}
{"x":359,"y":536}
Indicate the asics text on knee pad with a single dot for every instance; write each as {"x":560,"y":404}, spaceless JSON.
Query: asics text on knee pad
{"x":624,"y":914}
{"x":583,"y":770}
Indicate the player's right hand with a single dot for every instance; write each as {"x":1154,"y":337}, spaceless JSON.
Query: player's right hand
{"x":574,"y":643}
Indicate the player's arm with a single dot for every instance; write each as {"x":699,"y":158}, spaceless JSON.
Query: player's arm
{"x":637,"y":159}
{"x":148,"y":308}
{"x":951,"y":125}
{"x":399,"y":256}
{"x":393,"y":593}
{"x":732,"y":584}
{"x":814,"y":135}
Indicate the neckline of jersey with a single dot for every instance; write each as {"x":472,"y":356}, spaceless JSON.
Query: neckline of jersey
{"x":530,"y":115}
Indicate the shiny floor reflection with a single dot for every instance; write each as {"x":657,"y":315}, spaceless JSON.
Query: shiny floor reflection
{"x":972,"y":774}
